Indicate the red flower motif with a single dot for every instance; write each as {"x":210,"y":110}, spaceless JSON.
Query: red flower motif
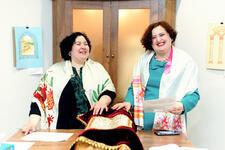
{"x":177,"y":124}
{"x":40,"y":94}
{"x":141,"y":93}
{"x":39,"y":97}
{"x":43,"y":91}
{"x":50,"y":120}
{"x":165,"y":124}
{"x":50,"y":99}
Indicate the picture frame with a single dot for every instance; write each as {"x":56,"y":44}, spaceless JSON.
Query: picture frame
{"x":28,"y":47}
{"x":216,"y":47}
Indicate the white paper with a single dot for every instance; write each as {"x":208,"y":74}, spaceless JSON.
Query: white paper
{"x":174,"y":147}
{"x":165,"y":147}
{"x":21,"y":145}
{"x":162,"y":104}
{"x":47,"y":136}
{"x":2,"y":136}
{"x":192,"y":148}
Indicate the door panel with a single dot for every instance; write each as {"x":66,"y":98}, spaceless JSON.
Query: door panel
{"x":90,"y":21}
{"x":132,"y":23}
{"x":130,"y":19}
{"x":93,"y":17}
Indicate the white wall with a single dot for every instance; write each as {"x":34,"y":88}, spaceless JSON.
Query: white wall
{"x":206,"y":123}
{"x":17,"y":86}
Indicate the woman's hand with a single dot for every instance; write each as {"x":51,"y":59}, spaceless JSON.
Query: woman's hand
{"x":32,"y":124}
{"x":125,"y":105}
{"x":102,"y":104}
{"x":177,"y":109}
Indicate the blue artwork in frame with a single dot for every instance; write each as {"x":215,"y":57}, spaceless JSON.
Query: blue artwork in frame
{"x":28,"y":43}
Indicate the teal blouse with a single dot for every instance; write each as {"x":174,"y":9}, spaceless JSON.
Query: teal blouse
{"x":156,"y":69}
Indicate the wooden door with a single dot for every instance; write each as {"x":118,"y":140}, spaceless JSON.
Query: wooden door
{"x":115,"y":29}
{"x":130,"y":18}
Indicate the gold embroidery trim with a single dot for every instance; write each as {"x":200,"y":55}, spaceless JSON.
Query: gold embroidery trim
{"x":78,"y":118}
{"x":105,"y":123}
{"x":100,"y":145}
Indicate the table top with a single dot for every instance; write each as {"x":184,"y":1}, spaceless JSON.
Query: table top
{"x":148,"y":139}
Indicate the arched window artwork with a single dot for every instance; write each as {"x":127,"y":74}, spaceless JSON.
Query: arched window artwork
{"x":216,"y":47}
{"x":28,"y":47}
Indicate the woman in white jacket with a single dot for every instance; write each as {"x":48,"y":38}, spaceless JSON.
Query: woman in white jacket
{"x":70,"y":88}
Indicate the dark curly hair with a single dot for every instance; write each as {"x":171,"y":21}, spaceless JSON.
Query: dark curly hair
{"x":146,"y":39}
{"x":67,"y":43}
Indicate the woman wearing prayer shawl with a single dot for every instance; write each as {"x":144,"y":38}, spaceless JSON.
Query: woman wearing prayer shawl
{"x":164,"y":71}
{"x":70,"y":88}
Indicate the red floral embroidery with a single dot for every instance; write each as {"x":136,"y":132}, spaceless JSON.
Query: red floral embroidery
{"x":50,"y":120}
{"x":40,"y":94}
{"x":140,"y":95}
{"x":44,"y":94}
{"x":177,"y":124}
{"x":168,"y":121}
{"x":43,"y":91}
{"x":50,"y":99}
{"x":162,"y":123}
{"x":165,"y":123}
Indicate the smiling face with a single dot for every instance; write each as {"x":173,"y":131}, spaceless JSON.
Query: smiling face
{"x":80,"y":50}
{"x":161,"y":41}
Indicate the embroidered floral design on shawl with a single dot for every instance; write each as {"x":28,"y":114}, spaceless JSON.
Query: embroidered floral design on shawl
{"x":44,"y":94}
{"x":167,"y":121}
{"x":50,"y":120}
{"x":139,"y":91}
{"x":99,"y":90}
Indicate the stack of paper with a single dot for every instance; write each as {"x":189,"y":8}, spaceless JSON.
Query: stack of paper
{"x":47,"y":136}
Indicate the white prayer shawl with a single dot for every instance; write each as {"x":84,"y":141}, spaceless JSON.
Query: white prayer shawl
{"x":93,"y":76}
{"x":181,"y":80}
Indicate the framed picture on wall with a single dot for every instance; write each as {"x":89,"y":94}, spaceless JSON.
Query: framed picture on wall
{"x":28,"y":47}
{"x":216,"y":47}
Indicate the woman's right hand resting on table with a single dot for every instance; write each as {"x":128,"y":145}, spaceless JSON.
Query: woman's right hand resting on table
{"x":125,"y":105}
{"x":32,"y":124}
